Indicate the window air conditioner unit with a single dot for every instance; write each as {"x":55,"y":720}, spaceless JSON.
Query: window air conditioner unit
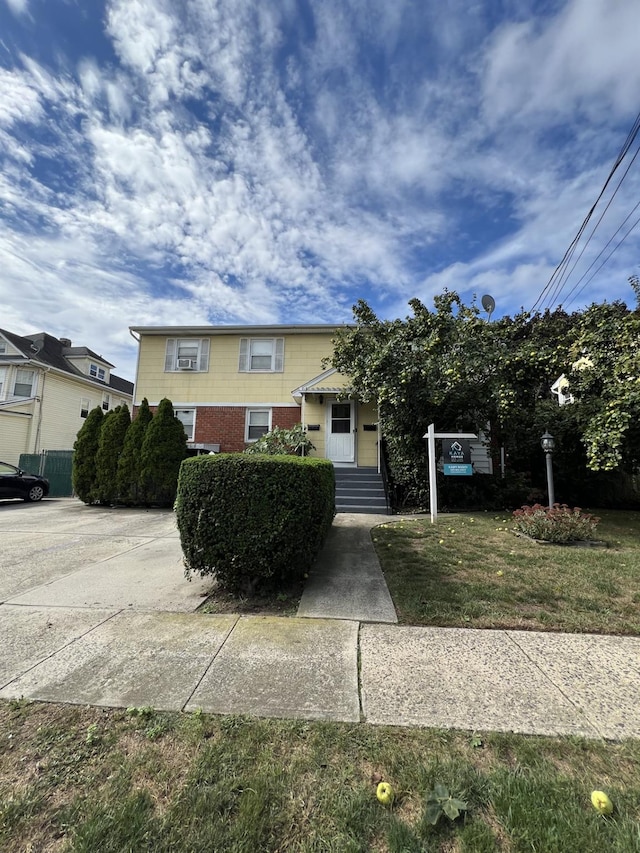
{"x":186,"y":364}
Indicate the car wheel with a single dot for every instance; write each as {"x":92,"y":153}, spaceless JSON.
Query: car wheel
{"x":35,"y":493}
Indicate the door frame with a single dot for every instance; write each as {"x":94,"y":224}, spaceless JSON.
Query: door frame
{"x":353,"y":432}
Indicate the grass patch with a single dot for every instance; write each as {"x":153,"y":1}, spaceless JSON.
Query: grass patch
{"x":86,"y":779}
{"x":472,"y":571}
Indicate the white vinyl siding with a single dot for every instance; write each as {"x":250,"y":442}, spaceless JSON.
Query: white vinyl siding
{"x":258,"y":422}
{"x":195,"y":350}
{"x":261,"y":355}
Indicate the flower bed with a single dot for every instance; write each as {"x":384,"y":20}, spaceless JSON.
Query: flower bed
{"x":560,"y":523}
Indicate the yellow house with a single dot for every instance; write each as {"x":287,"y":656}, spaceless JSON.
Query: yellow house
{"x":47,"y":388}
{"x":229,"y":385}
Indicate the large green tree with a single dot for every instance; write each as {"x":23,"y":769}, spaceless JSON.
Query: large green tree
{"x":83,"y":474}
{"x":452,"y":367}
{"x":128,"y":478}
{"x":112,"y":435}
{"x":163,"y":449}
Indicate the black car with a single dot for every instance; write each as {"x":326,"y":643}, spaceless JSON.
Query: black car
{"x":16,"y":483}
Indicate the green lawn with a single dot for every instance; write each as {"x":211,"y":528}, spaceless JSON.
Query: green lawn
{"x":86,"y":779}
{"x":470,"y":570}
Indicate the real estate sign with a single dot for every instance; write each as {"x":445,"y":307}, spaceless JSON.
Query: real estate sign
{"x":457,"y":458}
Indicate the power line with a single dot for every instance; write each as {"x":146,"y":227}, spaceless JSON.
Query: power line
{"x":555,"y":296}
{"x":559,"y":270}
{"x":615,"y":249}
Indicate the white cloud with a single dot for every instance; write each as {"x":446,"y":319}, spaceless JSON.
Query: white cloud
{"x":581,"y":60}
{"x":18,"y":7}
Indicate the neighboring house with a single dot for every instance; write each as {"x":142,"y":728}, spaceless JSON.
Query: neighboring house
{"x":231,"y":384}
{"x":47,"y":388}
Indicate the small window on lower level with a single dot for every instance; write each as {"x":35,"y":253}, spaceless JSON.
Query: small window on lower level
{"x":258,"y":423}
{"x":187,"y":418}
{"x":84,"y":407}
{"x":106,"y":400}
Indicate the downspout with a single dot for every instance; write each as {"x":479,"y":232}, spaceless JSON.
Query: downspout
{"x":40,"y":400}
{"x":135,"y":384}
{"x":303,"y":419}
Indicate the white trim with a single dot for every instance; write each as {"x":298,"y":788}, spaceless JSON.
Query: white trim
{"x":254,"y":404}
{"x":246,"y":421}
{"x":276,"y":355}
{"x":177,"y":409}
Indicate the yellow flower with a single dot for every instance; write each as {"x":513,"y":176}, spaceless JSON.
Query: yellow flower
{"x":440,"y":541}
{"x":499,"y":573}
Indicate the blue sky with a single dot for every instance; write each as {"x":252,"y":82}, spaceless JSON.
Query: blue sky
{"x":232,"y":161}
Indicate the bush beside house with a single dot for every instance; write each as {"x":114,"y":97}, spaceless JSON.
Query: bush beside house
{"x":83,"y":476}
{"x":128,"y":477}
{"x":253,"y":521}
{"x":112,"y":436}
{"x":163,"y":448}
{"x":115,"y":463}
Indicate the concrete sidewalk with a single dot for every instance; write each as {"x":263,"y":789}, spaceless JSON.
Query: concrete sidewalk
{"x":95,"y":609}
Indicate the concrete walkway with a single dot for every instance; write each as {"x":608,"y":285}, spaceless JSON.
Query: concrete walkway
{"x":347,"y":581}
{"x":95,"y":609}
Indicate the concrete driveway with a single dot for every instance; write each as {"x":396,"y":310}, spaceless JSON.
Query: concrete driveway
{"x":61,"y":553}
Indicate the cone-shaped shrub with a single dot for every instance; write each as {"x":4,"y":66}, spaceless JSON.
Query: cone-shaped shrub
{"x":83,"y":473}
{"x":114,"y":429}
{"x":163,"y":449}
{"x":129,"y":462}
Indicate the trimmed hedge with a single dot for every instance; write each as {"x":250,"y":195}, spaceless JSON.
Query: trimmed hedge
{"x":253,"y":521}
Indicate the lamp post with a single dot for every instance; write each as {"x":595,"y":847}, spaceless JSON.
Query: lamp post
{"x":548,"y":443}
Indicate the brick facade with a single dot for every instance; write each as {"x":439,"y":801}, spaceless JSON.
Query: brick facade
{"x":225,"y":425}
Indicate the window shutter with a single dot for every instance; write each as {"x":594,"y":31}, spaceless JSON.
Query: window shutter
{"x":243,"y":364}
{"x":170,"y":355}
{"x":204,"y":355}
{"x":279,"y":359}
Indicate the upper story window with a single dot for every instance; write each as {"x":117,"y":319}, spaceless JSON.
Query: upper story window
{"x":24,"y":383}
{"x":105,"y":402}
{"x":187,"y":354}
{"x":97,"y":371}
{"x":3,"y":347}
{"x":3,"y":380}
{"x":85,"y":404}
{"x":261,"y":355}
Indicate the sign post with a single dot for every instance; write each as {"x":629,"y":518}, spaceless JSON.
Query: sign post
{"x":457,"y":439}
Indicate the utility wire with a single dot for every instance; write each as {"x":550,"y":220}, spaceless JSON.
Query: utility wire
{"x":615,"y":249}
{"x":555,"y":295}
{"x":631,"y":136}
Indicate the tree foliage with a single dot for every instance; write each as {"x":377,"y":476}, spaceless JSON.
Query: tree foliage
{"x":163,"y":448}
{"x":452,"y":367}
{"x":281,"y":441}
{"x":128,"y":477}
{"x":112,"y":436}
{"x":85,"y":447}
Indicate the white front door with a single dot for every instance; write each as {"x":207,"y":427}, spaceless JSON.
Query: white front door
{"x":340,"y":431}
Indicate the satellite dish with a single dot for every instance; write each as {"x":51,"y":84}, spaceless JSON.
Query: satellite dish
{"x":488,"y":303}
